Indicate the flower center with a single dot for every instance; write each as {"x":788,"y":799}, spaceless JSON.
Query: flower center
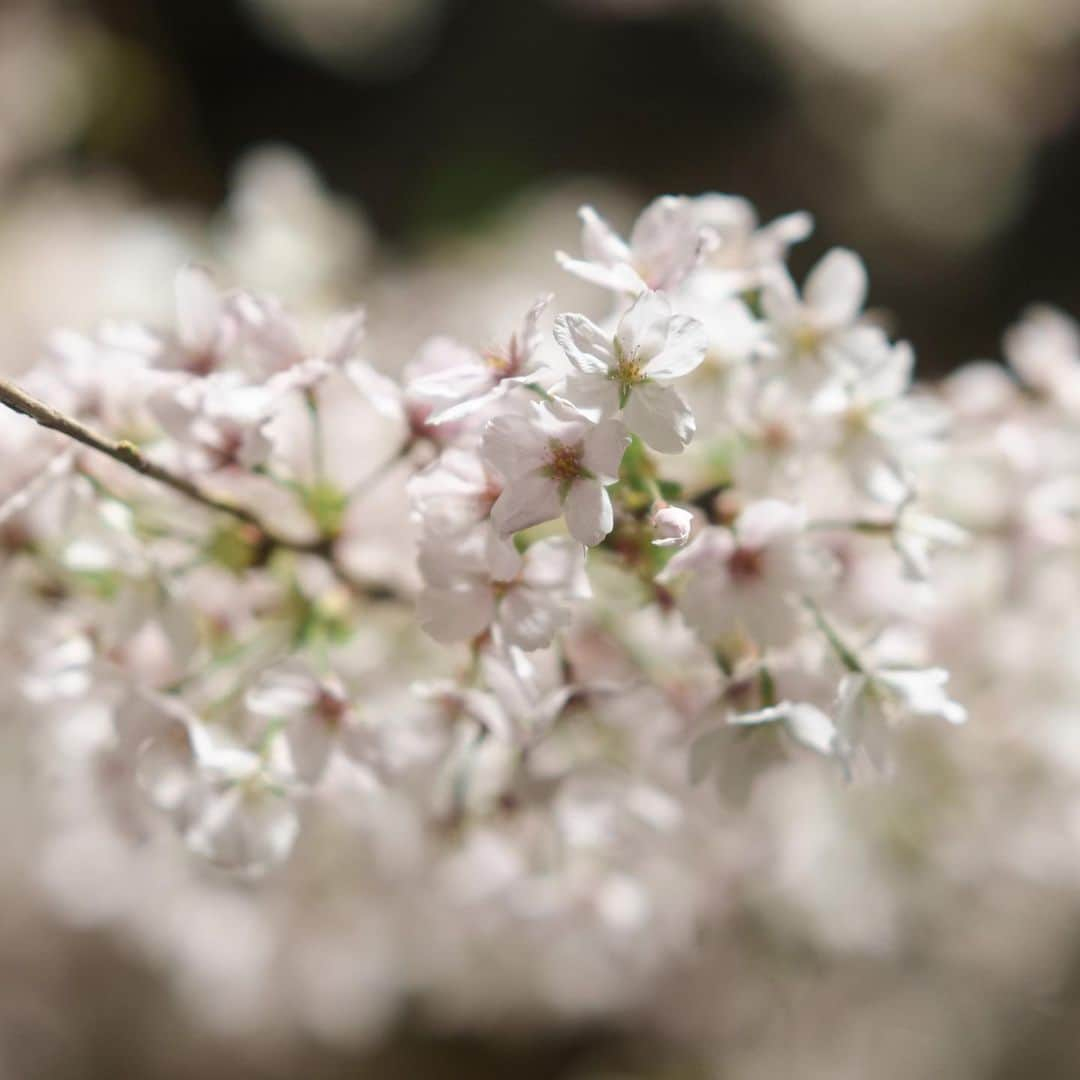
{"x":776,"y":436}
{"x":628,"y":369}
{"x":500,"y":366}
{"x":564,"y":462}
{"x":807,"y":340}
{"x":330,"y":707}
{"x":746,"y":565}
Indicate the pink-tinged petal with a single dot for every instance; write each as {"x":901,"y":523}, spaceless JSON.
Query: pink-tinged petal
{"x":589,"y":516}
{"x":528,"y":336}
{"x":587,"y":347}
{"x":643,"y":330}
{"x":620,"y":278}
{"x":514,"y":445}
{"x":836,"y":287}
{"x":672,"y":525}
{"x":344,"y":336}
{"x":528,"y":500}
{"x":599,"y":242}
{"x":455,"y":614}
{"x":603,"y":451}
{"x":669,"y":239}
{"x":380,"y":391}
{"x":659,"y":417}
{"x":687,"y":343}
{"x":199,"y":308}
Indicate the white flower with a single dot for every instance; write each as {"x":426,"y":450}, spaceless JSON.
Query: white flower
{"x":672,"y":525}
{"x":745,"y":253}
{"x":480,"y":379}
{"x":915,"y":536}
{"x":668,"y":240}
{"x":452,"y":498}
{"x":317,"y":717}
{"x":778,"y":436}
{"x":817,"y":333}
{"x":205,"y":325}
{"x":748,"y":579}
{"x":871,"y":701}
{"x":1044,"y":351}
{"x":630,"y":373}
{"x":879,"y":425}
{"x":229,"y":803}
{"x":806,"y":724}
{"x":247,"y":821}
{"x":527,"y":609}
{"x":555,"y":461}
{"x":220,"y":420}
{"x":518,"y":705}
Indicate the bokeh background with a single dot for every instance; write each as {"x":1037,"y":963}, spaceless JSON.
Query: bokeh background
{"x":940,"y":138}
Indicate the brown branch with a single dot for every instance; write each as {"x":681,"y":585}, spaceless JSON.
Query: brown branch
{"x":127,"y":453}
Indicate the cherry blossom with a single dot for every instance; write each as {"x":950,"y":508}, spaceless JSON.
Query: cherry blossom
{"x":630,"y":373}
{"x":749,"y":579}
{"x":554,"y":460}
{"x":667,"y":242}
{"x":527,"y":608}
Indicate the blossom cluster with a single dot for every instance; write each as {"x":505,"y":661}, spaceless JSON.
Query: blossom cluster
{"x":479,"y":626}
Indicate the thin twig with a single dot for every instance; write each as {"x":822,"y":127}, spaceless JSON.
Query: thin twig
{"x":127,"y":453}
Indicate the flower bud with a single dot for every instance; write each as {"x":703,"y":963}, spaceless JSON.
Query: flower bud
{"x":672,"y":525}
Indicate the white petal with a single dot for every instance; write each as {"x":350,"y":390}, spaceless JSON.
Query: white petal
{"x":589,"y":516}
{"x":310,"y":740}
{"x":595,"y":393}
{"x":514,"y":445}
{"x":529,"y":618}
{"x":620,"y":277}
{"x":503,"y":557}
{"x":455,"y":614}
{"x":599,"y":241}
{"x":604,"y":447}
{"x":643,"y":330}
{"x":836,"y":287}
{"x":526,"y":501}
{"x":558,"y":564}
{"x":344,"y":336}
{"x":199,"y":308}
{"x":247,"y":831}
{"x":687,"y":343}
{"x":672,"y":525}
{"x":587,"y":347}
{"x":768,"y":521}
{"x":659,"y":417}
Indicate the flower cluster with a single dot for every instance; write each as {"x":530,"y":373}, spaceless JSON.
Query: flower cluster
{"x":725,"y":451}
{"x":480,"y":624}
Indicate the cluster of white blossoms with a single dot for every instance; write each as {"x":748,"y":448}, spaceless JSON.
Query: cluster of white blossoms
{"x":708,"y":463}
{"x":512,"y":652}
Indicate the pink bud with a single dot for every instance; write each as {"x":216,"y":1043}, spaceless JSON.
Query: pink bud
{"x":672,"y":525}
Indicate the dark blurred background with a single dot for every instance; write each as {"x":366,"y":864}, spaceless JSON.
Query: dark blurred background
{"x":950,"y":160}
